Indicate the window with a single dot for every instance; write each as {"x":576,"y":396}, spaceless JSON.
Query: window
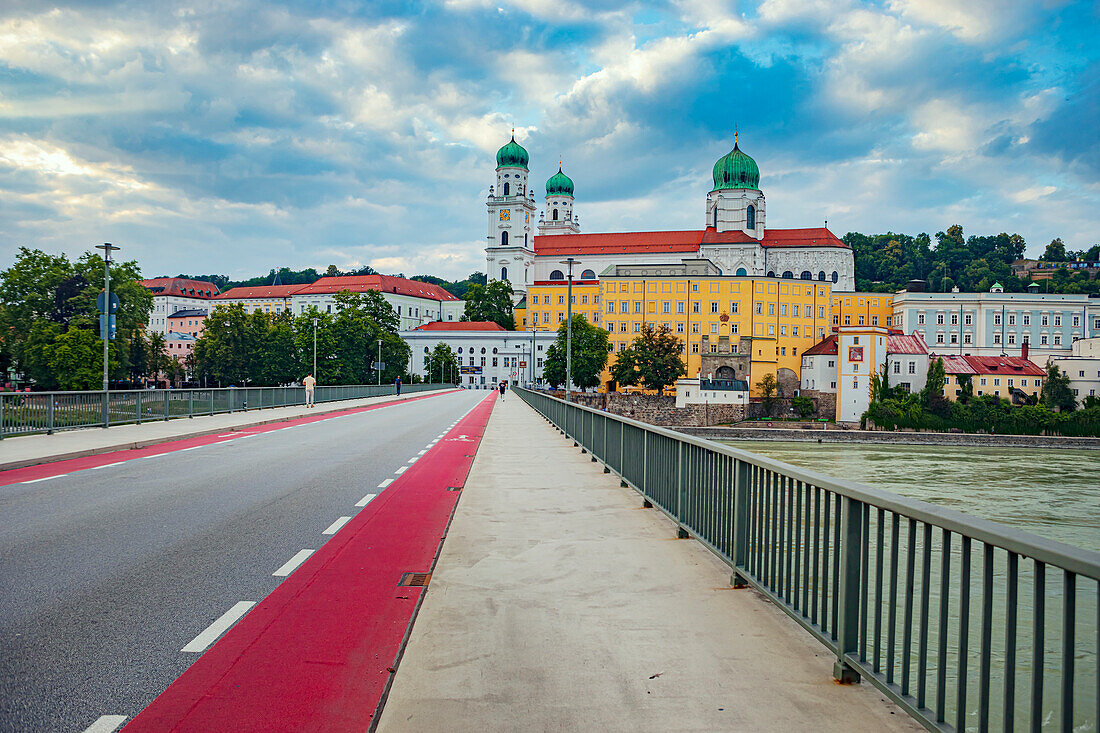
{"x":771,"y":309}
{"x":859,"y":321}
{"x":1011,"y":338}
{"x":695,"y":328}
{"x":836,"y":277}
{"x":714,"y":328}
{"x":1045,"y":320}
{"x":821,"y":276}
{"x":557,"y":275}
{"x":638,"y":306}
{"x":855,"y":381}
{"x":806,"y":275}
{"x":695,"y":307}
{"x":1043,"y":340}
{"x":794,"y":311}
{"x":1058,"y":320}
{"x":847,"y":320}
{"x":788,"y":275}
{"x":637,"y":327}
{"x":679,"y":328}
{"x":713,"y":307}
{"x":939,"y":338}
{"x":610,"y":306}
{"x":954,"y":319}
{"x":759,"y":308}
{"x":680,"y":307}
{"x":588,"y":275}
{"x":584,"y":298}
{"x":997,"y":382}
{"x":996,"y":338}
{"x":897,"y":367}
{"x":1026,"y":319}
{"x":555,"y":216}
{"x":504,"y":271}
{"x":1057,"y":339}
{"x":912,"y":367}
{"x":820,"y":311}
{"x":832,"y":364}
{"x":954,"y":337}
{"x":939,"y":319}
{"x":561,"y":299}
{"x":507,"y":188}
{"x":750,"y":217}
{"x":1076,"y":321}
{"x":1012,"y":319}
{"x":504,"y":239}
{"x":783,"y":309}
{"x":695,"y":348}
{"x":996,"y":319}
{"x":665,"y":307}
{"x":494,"y":361}
{"x":741,"y":272}
{"x":920,"y":319}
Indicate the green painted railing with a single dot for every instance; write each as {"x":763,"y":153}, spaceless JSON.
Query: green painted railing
{"x":23,"y":413}
{"x":963,"y":622}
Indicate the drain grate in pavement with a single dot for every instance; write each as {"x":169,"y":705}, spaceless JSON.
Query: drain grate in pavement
{"x":454,"y":488}
{"x":415,"y":579}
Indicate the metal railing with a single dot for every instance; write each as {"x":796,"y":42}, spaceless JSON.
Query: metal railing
{"x":23,"y":413}
{"x":913,"y":597}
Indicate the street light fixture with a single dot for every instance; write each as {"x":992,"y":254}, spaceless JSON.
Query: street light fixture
{"x":569,"y":330}
{"x":107,"y":248}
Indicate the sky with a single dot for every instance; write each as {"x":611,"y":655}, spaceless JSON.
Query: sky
{"x":233,"y":136}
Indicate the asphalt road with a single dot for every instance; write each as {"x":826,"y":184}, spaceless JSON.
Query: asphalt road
{"x":106,"y":574}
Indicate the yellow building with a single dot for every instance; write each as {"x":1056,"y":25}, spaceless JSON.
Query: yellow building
{"x":862,"y":310}
{"x":782,"y":317}
{"x":1002,"y":376}
{"x":546,"y":304}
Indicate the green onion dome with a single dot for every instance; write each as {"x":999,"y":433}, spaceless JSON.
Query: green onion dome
{"x":559,"y":184}
{"x":736,"y":170}
{"x":512,"y":155}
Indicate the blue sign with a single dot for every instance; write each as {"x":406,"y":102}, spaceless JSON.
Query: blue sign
{"x":99,"y":303}
{"x":107,"y":326}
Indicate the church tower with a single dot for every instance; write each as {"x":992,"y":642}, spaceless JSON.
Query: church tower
{"x":736,"y":202}
{"x":510,"y":250}
{"x":558,"y":217}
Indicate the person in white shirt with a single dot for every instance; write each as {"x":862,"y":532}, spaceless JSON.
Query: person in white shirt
{"x":309,"y":383}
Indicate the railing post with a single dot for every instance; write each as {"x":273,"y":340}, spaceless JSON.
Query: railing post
{"x":167,"y":404}
{"x":229,"y":399}
{"x":848,"y":597}
{"x":190,"y":404}
{"x":742,"y":478}
{"x":138,"y":408}
{"x":106,"y":408}
{"x":2,"y":401}
{"x":49,"y":429}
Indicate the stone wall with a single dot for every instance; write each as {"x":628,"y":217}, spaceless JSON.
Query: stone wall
{"x":658,"y":410}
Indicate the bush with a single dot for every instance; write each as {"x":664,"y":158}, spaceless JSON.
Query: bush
{"x":803,"y":405}
{"x":985,"y":414}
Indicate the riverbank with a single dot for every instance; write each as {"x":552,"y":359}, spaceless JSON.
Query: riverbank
{"x":836,"y":435}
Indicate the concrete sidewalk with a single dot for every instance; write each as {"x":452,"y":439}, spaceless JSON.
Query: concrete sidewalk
{"x":558,"y":604}
{"x":30,"y":450}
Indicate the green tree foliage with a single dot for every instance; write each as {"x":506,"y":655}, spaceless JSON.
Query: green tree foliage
{"x":1057,"y":392}
{"x":43,"y":297}
{"x":933,"y":386}
{"x":985,"y":414}
{"x":456,"y":288}
{"x":589,"y":355}
{"x":261,"y":349}
{"x":803,"y":405}
{"x":492,"y":302}
{"x":652,"y":360}
{"x":441,"y":364}
{"x":1055,"y":251}
{"x":767,"y":387}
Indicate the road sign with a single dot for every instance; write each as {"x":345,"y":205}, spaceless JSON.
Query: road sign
{"x":114,"y":302}
{"x":523,"y":365}
{"x":469,"y":370}
{"x":107,"y":326}
{"x":515,"y":374}
{"x":379,"y":366}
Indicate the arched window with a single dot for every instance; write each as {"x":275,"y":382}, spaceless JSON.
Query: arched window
{"x":482,"y":349}
{"x":494,"y":349}
{"x":741,"y":272}
{"x":716,"y":216}
{"x":807,"y":275}
{"x":788,"y":275}
{"x":460,"y":349}
{"x":506,"y":188}
{"x":504,"y":239}
{"x":836,"y":277}
{"x":821,"y":276}
{"x":555,"y":217}
{"x":771,"y":273}
{"x":557,"y":275}
{"x":588,"y":275}
{"x":750,"y":217}
{"x":504,"y":273}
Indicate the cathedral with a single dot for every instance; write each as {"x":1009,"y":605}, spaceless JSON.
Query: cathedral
{"x":735,"y":236}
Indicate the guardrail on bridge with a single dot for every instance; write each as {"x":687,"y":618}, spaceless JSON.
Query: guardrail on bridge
{"x":23,"y":413}
{"x":833,"y":553}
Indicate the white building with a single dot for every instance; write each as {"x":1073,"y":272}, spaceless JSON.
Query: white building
{"x":819,"y":367}
{"x":860,"y":352}
{"x":171,"y":294}
{"x":261,"y":298}
{"x":415,"y":302}
{"x":486,"y":352}
{"x":1082,"y":366}
{"x":711,"y":392}
{"x":734,"y":235}
{"x":997,"y":323}
{"x":907,"y":361}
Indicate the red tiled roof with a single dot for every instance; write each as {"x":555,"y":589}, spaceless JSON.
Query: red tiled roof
{"x":827,"y":346}
{"x":181,"y":286}
{"x":995,"y":365}
{"x":259,"y":291}
{"x":381,"y":283}
{"x":897,"y":343}
{"x":460,"y":326}
{"x":676,"y":241}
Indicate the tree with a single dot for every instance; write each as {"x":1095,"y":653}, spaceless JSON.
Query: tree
{"x":804,"y":405}
{"x":441,"y":364}
{"x":332,"y":271}
{"x":1057,"y":393}
{"x":589,"y":354}
{"x":156,"y":356}
{"x":492,"y":302}
{"x":966,"y":388}
{"x":767,"y":387}
{"x":933,"y":386}
{"x":1055,"y":251}
{"x":652,"y":359}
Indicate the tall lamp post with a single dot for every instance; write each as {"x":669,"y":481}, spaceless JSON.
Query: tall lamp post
{"x":569,"y":330}
{"x":534,"y":328}
{"x":378,"y":364}
{"x":314,"y":348}
{"x":107,"y":248}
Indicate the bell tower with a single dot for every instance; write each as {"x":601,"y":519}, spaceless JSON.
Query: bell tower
{"x":509,"y":251}
{"x":558,"y":217}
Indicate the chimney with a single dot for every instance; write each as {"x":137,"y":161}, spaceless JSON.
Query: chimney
{"x":1023,"y":349}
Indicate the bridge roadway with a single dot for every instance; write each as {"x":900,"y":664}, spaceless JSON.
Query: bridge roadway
{"x":108,"y":571}
{"x":557,"y":602}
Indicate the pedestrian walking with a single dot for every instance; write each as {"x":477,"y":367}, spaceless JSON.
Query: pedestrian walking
{"x":309,"y":383}
{"x":397,"y":383}
{"x":503,"y":386}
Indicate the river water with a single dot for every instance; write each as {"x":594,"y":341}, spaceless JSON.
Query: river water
{"x":1052,"y":493}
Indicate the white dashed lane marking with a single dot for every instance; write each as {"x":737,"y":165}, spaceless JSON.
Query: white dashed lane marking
{"x":106,"y":724}
{"x":335,"y":526}
{"x":385,"y":483}
{"x":401,"y":470}
{"x":365,"y":500}
{"x":292,"y":564}
{"x":211,"y":633}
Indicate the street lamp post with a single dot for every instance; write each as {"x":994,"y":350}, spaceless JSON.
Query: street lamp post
{"x":107,"y":248}
{"x":569,"y":331}
{"x":314,"y":348}
{"x":534,"y":328}
{"x":378,"y":364}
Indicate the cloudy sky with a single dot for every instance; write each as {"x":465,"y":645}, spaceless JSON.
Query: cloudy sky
{"x":238,"y":135}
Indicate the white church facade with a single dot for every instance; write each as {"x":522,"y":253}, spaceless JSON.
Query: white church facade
{"x":735,"y":237}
